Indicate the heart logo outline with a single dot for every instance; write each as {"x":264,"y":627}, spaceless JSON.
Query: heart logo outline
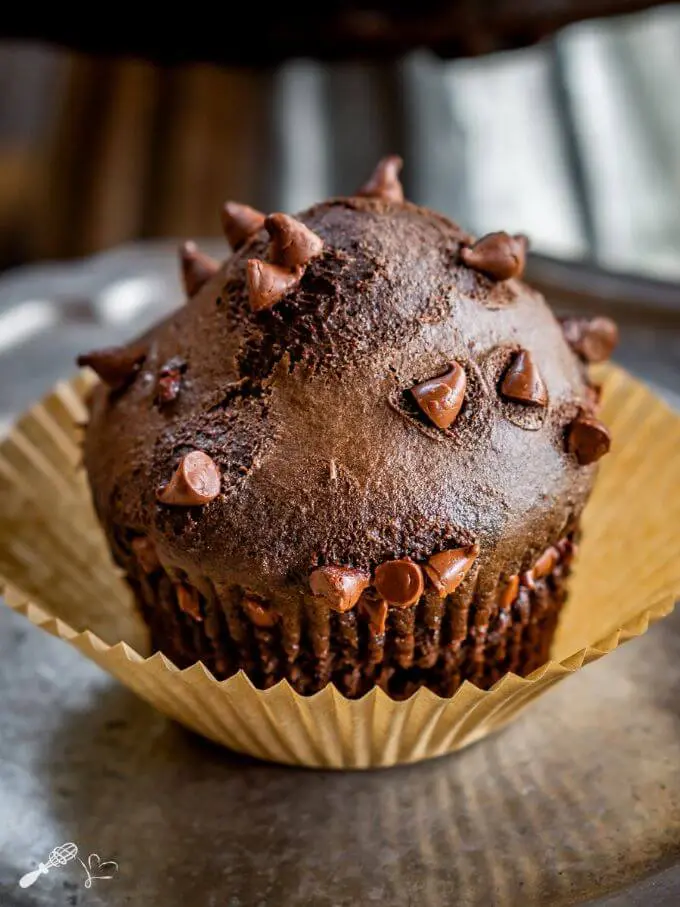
{"x":95,"y":866}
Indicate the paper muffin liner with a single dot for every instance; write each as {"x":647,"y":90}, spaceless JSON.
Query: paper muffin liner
{"x":55,"y":569}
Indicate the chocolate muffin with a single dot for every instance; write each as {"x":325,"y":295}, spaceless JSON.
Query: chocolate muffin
{"x":359,"y":454}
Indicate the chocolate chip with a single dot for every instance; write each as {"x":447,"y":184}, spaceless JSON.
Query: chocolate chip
{"x":441,"y":398}
{"x":546,"y":563}
{"x":240,"y":222}
{"x":115,"y":365}
{"x":267,"y":284}
{"x":593,"y":339}
{"x":339,"y":587}
{"x":510,"y":592}
{"x":498,"y":255}
{"x":293,"y":244}
{"x":523,"y":383}
{"x":399,"y":582}
{"x":188,"y":601}
{"x":196,"y":267}
{"x":377,"y":615}
{"x":145,"y":552}
{"x":448,"y":569}
{"x":259,"y":613}
{"x":384,"y":182}
{"x":195,"y":482}
{"x":588,"y":439}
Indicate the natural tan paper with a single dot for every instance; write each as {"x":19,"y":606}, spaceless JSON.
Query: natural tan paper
{"x":55,"y":569}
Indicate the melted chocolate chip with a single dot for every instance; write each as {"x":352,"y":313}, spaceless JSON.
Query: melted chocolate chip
{"x":448,"y":569}
{"x":498,"y":255}
{"x":195,"y":482}
{"x":339,"y":587}
{"x":188,"y":601}
{"x":115,"y":365}
{"x":240,"y":222}
{"x":594,"y":339}
{"x":399,"y":582}
{"x":259,"y":613}
{"x":588,"y":439}
{"x":197,"y":268}
{"x":292,"y":244}
{"x":510,"y":592}
{"x":546,"y":563}
{"x":523,"y":383}
{"x":145,"y":552}
{"x":267,"y":284}
{"x":377,"y":615}
{"x":441,"y":398}
{"x":384,"y":182}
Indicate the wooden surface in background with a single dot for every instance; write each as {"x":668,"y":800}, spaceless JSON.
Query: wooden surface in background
{"x":124,"y":149}
{"x":146,"y":151}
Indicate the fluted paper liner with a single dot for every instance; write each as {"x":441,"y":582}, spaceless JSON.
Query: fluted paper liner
{"x":55,"y":569}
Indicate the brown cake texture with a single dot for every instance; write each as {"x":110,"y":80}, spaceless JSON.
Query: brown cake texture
{"x":358,"y":454}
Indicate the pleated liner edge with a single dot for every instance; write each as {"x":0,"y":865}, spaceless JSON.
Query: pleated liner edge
{"x":325,"y":730}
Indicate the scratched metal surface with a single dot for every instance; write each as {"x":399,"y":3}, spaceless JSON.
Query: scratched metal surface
{"x":580,"y":797}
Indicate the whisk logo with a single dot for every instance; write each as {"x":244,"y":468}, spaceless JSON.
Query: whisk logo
{"x":94,"y":869}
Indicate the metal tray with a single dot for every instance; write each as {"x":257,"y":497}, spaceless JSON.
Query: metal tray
{"x":576,"y":802}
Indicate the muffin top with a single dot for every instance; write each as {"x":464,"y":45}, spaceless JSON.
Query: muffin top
{"x":361,"y":383}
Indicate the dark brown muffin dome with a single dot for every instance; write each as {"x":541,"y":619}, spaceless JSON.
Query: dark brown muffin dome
{"x":286,"y":420}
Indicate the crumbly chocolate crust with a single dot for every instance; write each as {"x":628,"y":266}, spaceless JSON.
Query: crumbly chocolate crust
{"x":306,"y":395}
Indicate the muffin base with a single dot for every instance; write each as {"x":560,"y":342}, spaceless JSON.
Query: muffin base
{"x":438,"y":644}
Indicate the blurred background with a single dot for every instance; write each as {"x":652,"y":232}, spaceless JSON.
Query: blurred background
{"x":557,"y":119}
{"x":573,"y":139}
